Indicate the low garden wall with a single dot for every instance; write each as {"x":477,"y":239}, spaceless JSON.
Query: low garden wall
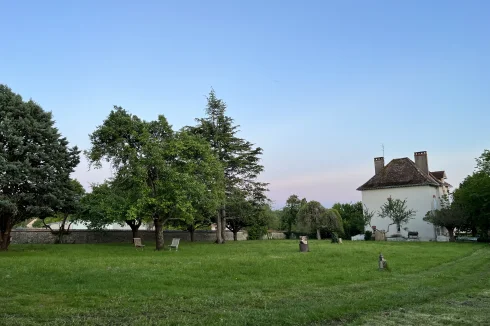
{"x":40,"y":236}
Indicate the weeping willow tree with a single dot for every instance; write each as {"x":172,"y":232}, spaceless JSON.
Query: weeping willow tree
{"x":313,"y":217}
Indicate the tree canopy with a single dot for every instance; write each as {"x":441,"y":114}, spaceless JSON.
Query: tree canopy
{"x":239,"y":158}
{"x":314,"y":217}
{"x":450,"y":215}
{"x":396,"y":210}
{"x":35,"y":163}
{"x":473,"y":195}
{"x":290,"y":212}
{"x":352,"y":217}
{"x":176,"y":173}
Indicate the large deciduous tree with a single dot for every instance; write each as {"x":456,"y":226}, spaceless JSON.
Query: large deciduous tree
{"x":352,"y":217}
{"x":314,"y":217}
{"x":483,"y":162}
{"x":35,"y":162}
{"x":176,"y":173}
{"x":290,"y":212}
{"x":239,"y":212}
{"x":396,"y":210}
{"x":451,"y":216}
{"x":113,"y":201}
{"x":473,"y":195}
{"x":240,"y":159}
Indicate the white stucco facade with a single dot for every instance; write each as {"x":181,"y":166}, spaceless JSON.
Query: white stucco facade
{"x":419,"y":198}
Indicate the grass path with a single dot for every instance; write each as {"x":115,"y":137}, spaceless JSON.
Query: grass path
{"x":244,"y":283}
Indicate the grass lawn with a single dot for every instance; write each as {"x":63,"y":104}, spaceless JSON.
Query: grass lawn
{"x":246,"y":283}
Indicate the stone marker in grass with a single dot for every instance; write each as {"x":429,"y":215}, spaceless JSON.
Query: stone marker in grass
{"x":303,"y":244}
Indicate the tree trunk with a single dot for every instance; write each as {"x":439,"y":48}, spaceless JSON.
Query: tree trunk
{"x":158,"y":234}
{"x":61,"y":230}
{"x":235,"y":235}
{"x":134,"y":227}
{"x":318,"y":235}
{"x":5,"y":239}
{"x":451,"y":234}
{"x":223,"y":225}
{"x":191,"y":231}
{"x":474,"y":231}
{"x":219,"y":239}
{"x":290,"y":230}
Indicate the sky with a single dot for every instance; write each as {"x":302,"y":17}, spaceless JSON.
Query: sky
{"x":319,"y":85}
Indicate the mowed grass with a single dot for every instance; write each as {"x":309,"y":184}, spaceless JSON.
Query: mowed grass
{"x":246,"y":283}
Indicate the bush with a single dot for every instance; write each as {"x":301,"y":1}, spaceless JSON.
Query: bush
{"x":255,"y":232}
{"x":38,"y":223}
{"x":368,"y":235}
{"x":335,"y":238}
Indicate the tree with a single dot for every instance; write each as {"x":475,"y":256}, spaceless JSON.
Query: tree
{"x":261,"y":216}
{"x":352,"y":217}
{"x":239,"y":212}
{"x":275,"y":222}
{"x":314,"y":217}
{"x":177,"y":174}
{"x":332,"y":222}
{"x":290,"y":213}
{"x":473,"y":195}
{"x":35,"y":161}
{"x":113,"y":201}
{"x":396,"y":210}
{"x":450,"y":215}
{"x":68,"y":199}
{"x":367,"y":216}
{"x":240,"y":159}
{"x":483,"y":162}
{"x":198,"y":221}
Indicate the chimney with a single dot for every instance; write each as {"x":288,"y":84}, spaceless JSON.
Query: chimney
{"x":421,"y":161}
{"x":379,"y":164}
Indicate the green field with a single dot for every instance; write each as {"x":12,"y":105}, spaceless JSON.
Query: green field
{"x":246,"y":283}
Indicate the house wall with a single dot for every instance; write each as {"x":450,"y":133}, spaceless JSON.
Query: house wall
{"x":418,"y":198}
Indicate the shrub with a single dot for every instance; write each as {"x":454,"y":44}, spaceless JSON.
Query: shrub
{"x":335,"y":237}
{"x":368,"y":235}
{"x":255,"y":232}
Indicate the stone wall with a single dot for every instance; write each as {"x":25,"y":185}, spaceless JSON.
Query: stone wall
{"x":274,"y":236}
{"x":39,"y":236}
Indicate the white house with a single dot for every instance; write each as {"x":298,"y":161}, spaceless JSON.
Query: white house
{"x":404,"y":179}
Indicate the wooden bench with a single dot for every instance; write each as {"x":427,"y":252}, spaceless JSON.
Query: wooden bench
{"x":413,"y":234}
{"x":138,"y":244}
{"x":174,"y":244}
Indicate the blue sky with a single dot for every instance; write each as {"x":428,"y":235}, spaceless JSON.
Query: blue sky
{"x":319,"y":85}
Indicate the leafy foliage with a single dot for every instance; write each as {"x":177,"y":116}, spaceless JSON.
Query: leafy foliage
{"x":68,"y":204}
{"x":290,"y":212}
{"x":473,"y":195}
{"x":239,"y":211}
{"x":313,"y":216}
{"x":483,"y":162}
{"x":451,"y":216}
{"x":352,"y":217}
{"x":396,"y":210}
{"x":35,"y":163}
{"x":176,"y":173}
{"x":368,"y":235}
{"x":239,"y":158}
{"x":113,"y":201}
{"x":256,"y":232}
{"x":367,"y":216}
